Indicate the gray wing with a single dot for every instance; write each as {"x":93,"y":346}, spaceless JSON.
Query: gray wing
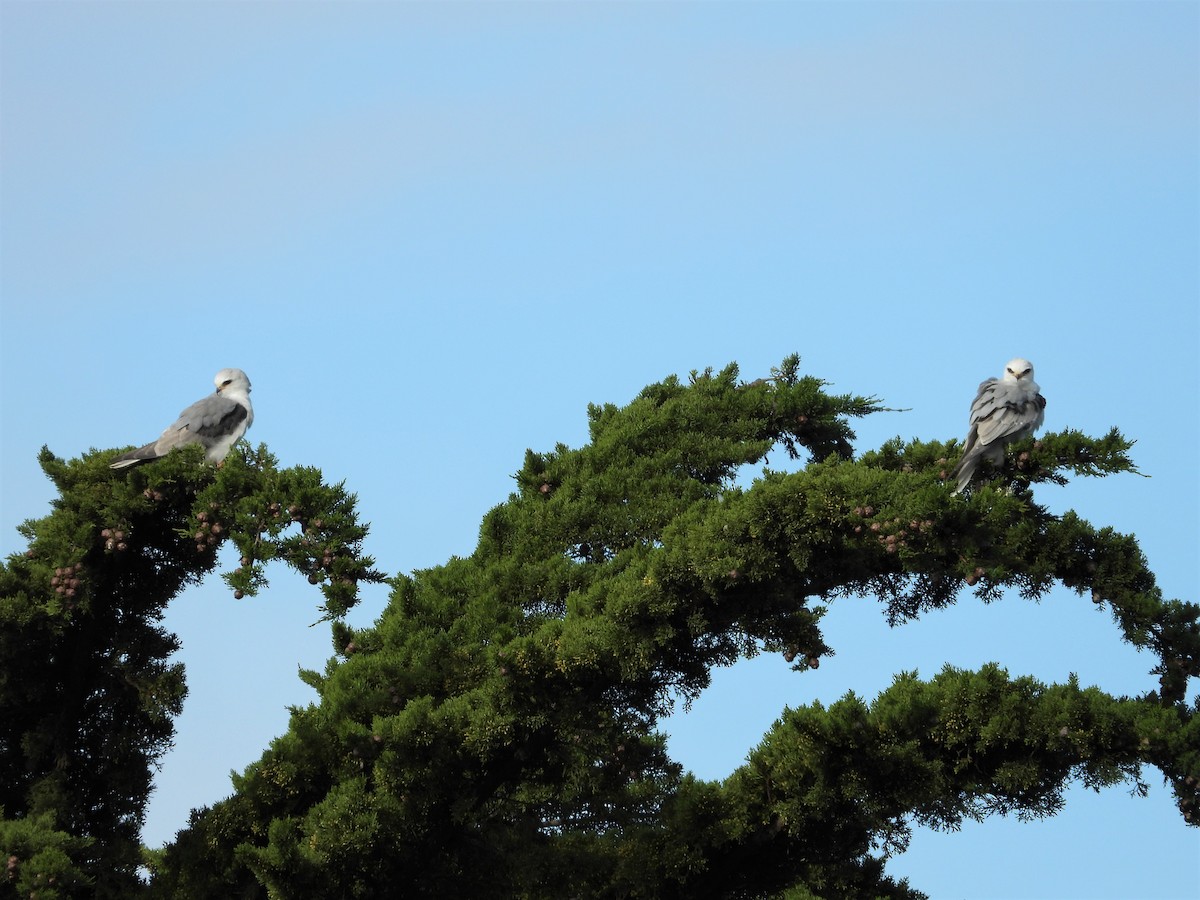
{"x":206,"y":422}
{"x":1003,"y":412}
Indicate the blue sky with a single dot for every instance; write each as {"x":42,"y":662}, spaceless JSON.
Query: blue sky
{"x":432,"y":233}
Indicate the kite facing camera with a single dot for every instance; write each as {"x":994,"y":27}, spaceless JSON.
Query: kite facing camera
{"x":1005,"y":410}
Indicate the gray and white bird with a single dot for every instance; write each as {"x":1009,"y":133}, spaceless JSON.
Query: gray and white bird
{"x":1005,"y":410}
{"x":216,"y":422}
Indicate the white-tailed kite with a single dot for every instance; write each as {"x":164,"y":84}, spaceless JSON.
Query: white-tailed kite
{"x":216,"y":422}
{"x":1005,"y":410}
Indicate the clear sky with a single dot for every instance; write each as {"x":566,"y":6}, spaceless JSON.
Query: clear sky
{"x":431,"y":234}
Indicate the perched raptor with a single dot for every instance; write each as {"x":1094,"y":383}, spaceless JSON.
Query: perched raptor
{"x":1005,"y":410}
{"x":216,"y":422}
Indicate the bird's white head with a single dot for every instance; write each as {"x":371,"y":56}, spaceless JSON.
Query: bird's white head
{"x":234,"y":385}
{"x":232,"y":380}
{"x":1019,"y":370}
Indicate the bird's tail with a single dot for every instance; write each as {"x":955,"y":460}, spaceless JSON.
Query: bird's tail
{"x":134,"y":457}
{"x":964,"y":471}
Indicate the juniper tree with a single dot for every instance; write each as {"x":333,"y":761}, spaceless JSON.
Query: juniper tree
{"x":88,"y":689}
{"x":494,"y":733}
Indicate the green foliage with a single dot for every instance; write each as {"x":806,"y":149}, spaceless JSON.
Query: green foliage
{"x":40,"y":860}
{"x":494,"y":733}
{"x":966,"y":744}
{"x":88,"y":693}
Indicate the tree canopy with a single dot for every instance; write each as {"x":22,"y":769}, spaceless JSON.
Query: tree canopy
{"x":495,"y":731}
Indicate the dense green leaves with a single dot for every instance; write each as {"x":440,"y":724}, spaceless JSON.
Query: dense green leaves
{"x":494,"y":733}
{"x":41,"y":861}
{"x":88,"y":692}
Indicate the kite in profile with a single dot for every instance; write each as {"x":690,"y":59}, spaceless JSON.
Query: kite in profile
{"x":1005,"y":410}
{"x":215,"y":423}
